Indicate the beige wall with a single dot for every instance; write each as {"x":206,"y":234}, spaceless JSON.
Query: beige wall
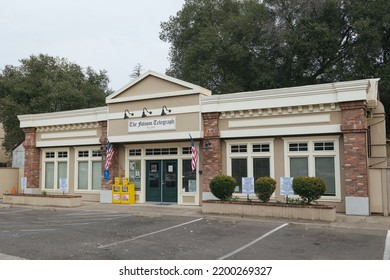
{"x":3,"y":156}
{"x":9,"y":177}
{"x":151,"y":85}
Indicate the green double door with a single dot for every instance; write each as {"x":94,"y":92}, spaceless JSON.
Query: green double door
{"x":161,"y":180}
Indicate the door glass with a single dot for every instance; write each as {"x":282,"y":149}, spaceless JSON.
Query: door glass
{"x":154,"y":176}
{"x":170,"y":175}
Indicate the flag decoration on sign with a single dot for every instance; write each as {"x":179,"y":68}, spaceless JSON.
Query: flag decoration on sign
{"x":194,"y":155}
{"x":109,"y":155}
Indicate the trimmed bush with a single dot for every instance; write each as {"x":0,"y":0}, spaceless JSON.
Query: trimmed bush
{"x":222,"y":186}
{"x":308,"y":188}
{"x":264,"y":188}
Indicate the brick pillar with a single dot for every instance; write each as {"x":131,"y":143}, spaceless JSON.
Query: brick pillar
{"x":32,"y":158}
{"x":354,"y":128}
{"x":114,"y":168}
{"x":212,"y":153}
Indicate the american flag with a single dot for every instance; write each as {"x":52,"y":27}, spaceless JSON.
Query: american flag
{"x":109,"y":155}
{"x":194,"y":155}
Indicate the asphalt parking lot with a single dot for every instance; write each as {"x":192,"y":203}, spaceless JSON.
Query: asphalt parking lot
{"x":163,"y":233}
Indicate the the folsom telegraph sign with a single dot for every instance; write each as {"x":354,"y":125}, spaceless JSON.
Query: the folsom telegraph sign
{"x":151,"y":124}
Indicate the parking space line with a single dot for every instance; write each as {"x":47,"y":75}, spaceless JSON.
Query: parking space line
{"x":148,"y":234}
{"x":386,"y":254}
{"x":253,"y":242}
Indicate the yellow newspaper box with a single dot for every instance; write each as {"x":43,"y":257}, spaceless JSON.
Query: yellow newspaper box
{"x":116,"y":193}
{"x":128,"y":194}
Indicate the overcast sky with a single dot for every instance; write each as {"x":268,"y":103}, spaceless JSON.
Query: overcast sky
{"x":113,"y":35}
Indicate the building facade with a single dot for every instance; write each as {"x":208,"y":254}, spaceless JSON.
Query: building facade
{"x":335,"y":131}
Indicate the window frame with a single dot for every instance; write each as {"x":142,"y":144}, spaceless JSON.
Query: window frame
{"x":250,"y":155}
{"x":90,"y":159}
{"x":311,"y":155}
{"x":56,"y":159}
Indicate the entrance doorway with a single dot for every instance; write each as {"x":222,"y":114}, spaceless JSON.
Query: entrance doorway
{"x":161,"y":180}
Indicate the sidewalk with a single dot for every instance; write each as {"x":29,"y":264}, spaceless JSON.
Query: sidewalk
{"x":154,"y":209}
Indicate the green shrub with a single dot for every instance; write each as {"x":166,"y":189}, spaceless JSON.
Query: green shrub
{"x":264,"y":188}
{"x":222,"y":186}
{"x":309,"y":188}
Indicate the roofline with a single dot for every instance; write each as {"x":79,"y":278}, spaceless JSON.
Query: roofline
{"x":191,"y":87}
{"x":64,"y":117}
{"x":366,"y":89}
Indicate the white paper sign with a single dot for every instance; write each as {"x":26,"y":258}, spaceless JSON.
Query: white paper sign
{"x":248,"y":185}
{"x":286,"y":186}
{"x":23,"y":183}
{"x":64,"y":184}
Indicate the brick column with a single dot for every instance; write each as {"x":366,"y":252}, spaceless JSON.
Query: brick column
{"x":32,"y":158}
{"x":114,"y":168}
{"x":354,"y":128}
{"x":212,"y":154}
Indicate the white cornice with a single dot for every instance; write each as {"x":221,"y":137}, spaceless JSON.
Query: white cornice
{"x":90,"y":115}
{"x":294,"y":96}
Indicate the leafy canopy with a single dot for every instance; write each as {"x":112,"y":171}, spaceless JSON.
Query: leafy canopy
{"x":44,"y":84}
{"x":243,"y":45}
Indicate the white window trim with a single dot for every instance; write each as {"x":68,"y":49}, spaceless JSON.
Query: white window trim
{"x":250,"y":155}
{"x":56,"y":160}
{"x":90,"y":159}
{"x":311,"y":154}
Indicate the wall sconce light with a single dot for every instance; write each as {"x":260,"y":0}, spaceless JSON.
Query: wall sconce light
{"x":207,"y":145}
{"x":127,"y":114}
{"x":143,"y":112}
{"x":163,"y":113}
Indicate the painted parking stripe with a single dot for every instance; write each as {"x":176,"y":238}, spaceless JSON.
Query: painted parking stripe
{"x":9,"y":257}
{"x":386,"y":254}
{"x":148,"y":234}
{"x":253,"y":242}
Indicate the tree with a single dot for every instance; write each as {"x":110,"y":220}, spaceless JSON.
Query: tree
{"x":223,"y":45}
{"x":243,"y":45}
{"x":137,"y":71}
{"x":44,"y":84}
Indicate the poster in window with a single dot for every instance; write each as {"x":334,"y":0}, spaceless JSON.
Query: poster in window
{"x":192,"y":185}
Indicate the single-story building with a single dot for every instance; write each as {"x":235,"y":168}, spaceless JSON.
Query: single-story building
{"x":335,"y":131}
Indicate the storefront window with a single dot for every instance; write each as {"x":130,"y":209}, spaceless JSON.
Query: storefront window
{"x":55,"y":167}
{"x":252,"y":159}
{"x":189,"y":177}
{"x":49,"y":175}
{"x":315,"y":158}
{"x":239,"y":170}
{"x":135,"y":173}
{"x":326,"y":170}
{"x":89,"y":169}
{"x":83,"y":175}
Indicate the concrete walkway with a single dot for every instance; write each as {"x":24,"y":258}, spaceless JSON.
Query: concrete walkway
{"x":155,"y":209}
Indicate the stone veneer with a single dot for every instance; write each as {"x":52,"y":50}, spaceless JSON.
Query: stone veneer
{"x":354,"y":128}
{"x":32,"y":158}
{"x":114,"y":168}
{"x":212,"y":154}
